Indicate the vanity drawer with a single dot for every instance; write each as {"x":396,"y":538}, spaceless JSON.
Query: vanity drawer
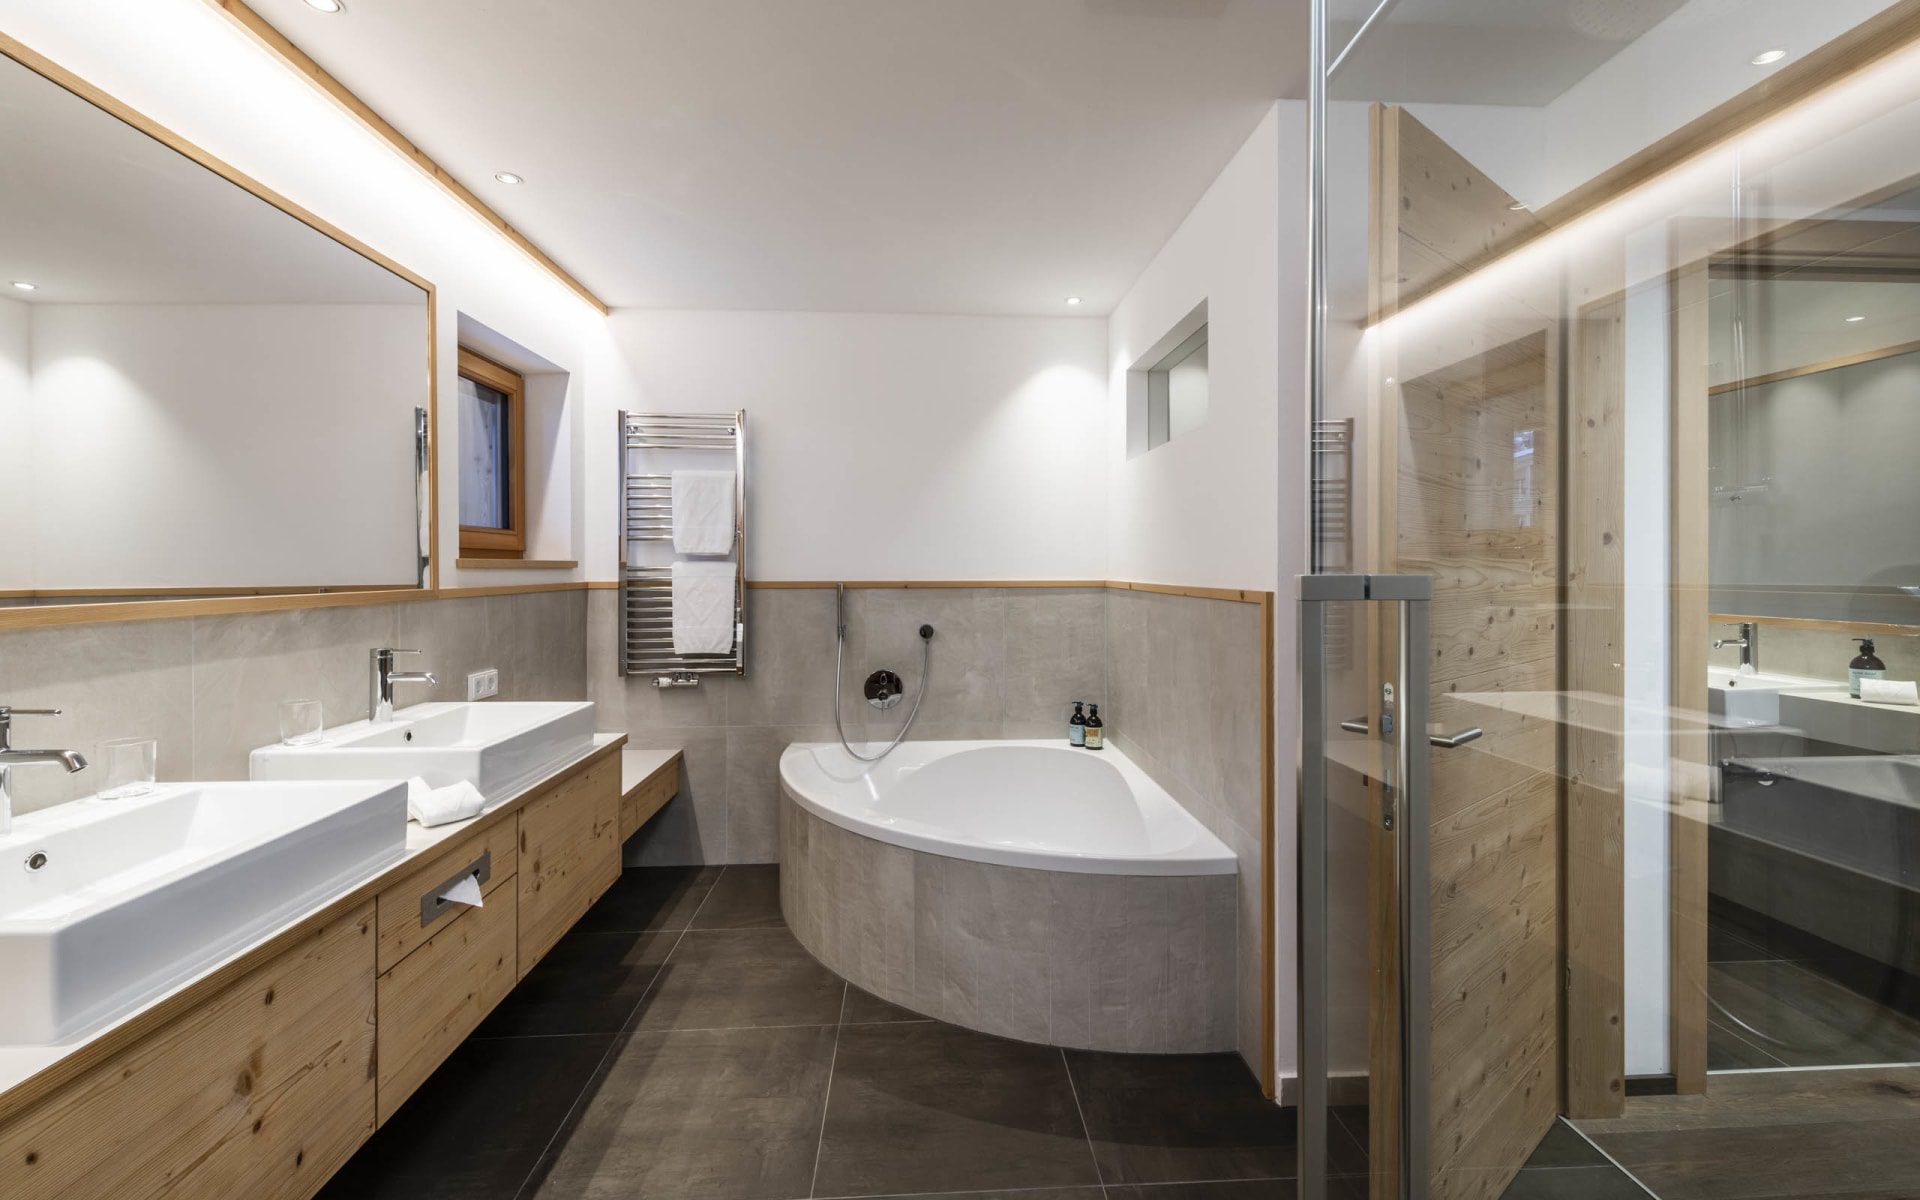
{"x":261,"y":1090}
{"x":401,"y":931}
{"x":441,"y":992}
{"x":569,"y":855}
{"x":638,"y":806}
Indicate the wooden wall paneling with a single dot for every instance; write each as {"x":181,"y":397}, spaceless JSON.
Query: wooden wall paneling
{"x":1594,"y":827}
{"x":263,"y":1091}
{"x":1690,"y":756}
{"x":1483,"y":520}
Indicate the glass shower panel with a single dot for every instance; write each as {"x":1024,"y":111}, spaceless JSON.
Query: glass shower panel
{"x":1618,"y":334}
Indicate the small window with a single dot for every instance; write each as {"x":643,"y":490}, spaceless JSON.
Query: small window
{"x":1177,"y":391}
{"x":493,"y":485}
{"x":1167,"y":387}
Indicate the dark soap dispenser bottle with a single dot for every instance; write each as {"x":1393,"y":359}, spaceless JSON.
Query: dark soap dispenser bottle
{"x":1866,"y":665}
{"x":1096,"y":729}
{"x":1077,"y":725}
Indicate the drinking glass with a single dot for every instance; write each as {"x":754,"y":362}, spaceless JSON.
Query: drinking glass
{"x":129,"y":765}
{"x":299,"y":722}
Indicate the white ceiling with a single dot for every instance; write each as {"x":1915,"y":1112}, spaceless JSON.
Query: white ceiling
{"x":1790,"y":323}
{"x":959,"y":156}
{"x":1524,"y":52}
{"x":92,"y":211}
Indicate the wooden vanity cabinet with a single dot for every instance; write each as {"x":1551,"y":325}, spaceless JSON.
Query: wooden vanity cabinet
{"x":261,"y":1090}
{"x":569,"y":856}
{"x":261,"y":1079}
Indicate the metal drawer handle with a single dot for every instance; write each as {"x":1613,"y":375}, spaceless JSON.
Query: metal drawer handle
{"x":1442,"y":740}
{"x":435,"y":904}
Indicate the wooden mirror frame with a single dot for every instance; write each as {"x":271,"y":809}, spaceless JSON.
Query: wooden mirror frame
{"x":265,"y":598}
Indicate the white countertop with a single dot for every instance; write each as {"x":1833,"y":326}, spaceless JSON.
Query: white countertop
{"x":1830,"y":715}
{"x":20,"y":1063}
{"x":637,"y":763}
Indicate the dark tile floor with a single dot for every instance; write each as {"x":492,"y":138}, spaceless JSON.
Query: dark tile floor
{"x":1564,"y":1166}
{"x":1780,"y":1005}
{"x":679,"y":1043}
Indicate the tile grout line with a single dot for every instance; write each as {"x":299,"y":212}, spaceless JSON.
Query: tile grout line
{"x":826,"y":1099}
{"x":1602,"y":1152}
{"x":1099,"y":1176}
{"x":595,"y":1074}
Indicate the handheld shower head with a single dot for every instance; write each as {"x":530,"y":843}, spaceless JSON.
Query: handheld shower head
{"x":840,"y":611}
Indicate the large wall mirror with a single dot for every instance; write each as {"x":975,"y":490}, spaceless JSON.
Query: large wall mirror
{"x":1815,"y":419}
{"x":201,"y":394}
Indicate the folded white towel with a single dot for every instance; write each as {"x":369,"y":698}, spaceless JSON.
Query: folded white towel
{"x":1889,"y":691}
{"x":703,"y":607}
{"x":432,"y":806}
{"x":703,"y":512}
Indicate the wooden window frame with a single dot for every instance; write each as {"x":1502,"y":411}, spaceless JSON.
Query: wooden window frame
{"x":477,"y":541}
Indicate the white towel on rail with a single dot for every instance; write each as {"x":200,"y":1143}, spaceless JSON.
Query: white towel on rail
{"x":703,"y":596}
{"x":703,"y":512}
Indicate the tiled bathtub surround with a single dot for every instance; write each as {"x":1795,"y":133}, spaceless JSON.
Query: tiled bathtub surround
{"x":1185,"y":702}
{"x":209,"y":688}
{"x":1177,"y":679}
{"x":1133,"y":963}
{"x":1006,"y":663}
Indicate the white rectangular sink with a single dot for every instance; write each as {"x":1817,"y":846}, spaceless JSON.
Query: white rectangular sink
{"x":1751,"y":699}
{"x":105,"y":904}
{"x":498,"y":746}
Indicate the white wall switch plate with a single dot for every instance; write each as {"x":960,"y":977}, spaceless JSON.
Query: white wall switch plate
{"x":482,"y":684}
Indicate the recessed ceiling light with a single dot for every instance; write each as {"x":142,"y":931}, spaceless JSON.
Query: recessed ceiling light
{"x":1073,"y":301}
{"x":1851,"y":320}
{"x":24,"y":286}
{"x":326,"y":6}
{"x":1767,"y":58}
{"x":507,"y":177}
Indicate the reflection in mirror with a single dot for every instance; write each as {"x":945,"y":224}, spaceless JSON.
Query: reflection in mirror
{"x":1814,"y":369}
{"x":200,"y":394}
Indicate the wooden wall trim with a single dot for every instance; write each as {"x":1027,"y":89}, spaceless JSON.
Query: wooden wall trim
{"x":1236,"y":595}
{"x":52,"y":616}
{"x":1819,"y":624}
{"x":1814,"y":368}
{"x":283,"y":48}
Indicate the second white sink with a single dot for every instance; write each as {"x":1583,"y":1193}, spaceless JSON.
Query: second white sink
{"x":498,"y":746}
{"x":1751,"y":699}
{"x":104,"y":904}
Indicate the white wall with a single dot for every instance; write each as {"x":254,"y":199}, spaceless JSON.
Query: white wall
{"x":245,"y":107}
{"x":1223,"y":505}
{"x":892,"y":447}
{"x":194,"y":445}
{"x":1201,"y":509}
{"x":16,"y":446}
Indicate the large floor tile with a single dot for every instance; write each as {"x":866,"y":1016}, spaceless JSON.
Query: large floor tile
{"x":1172,"y":1118}
{"x":478,"y":1126}
{"x":646,"y":898}
{"x":1728,"y":1050}
{"x":1067,"y":1193}
{"x":745,"y":897}
{"x":588,"y":983}
{"x":1241,"y":1189}
{"x":1811,"y":1020}
{"x":1801,"y":1160}
{"x":864,"y":1008}
{"x":928,"y":1107}
{"x":733,"y":978}
{"x":1574,"y":1183}
{"x":729,"y":1114}
{"x":1564,"y":1147}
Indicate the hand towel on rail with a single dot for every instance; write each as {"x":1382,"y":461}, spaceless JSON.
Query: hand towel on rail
{"x":703,"y":512}
{"x":703,"y":594}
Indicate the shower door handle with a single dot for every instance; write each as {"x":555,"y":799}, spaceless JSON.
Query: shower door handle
{"x":1453,"y":741}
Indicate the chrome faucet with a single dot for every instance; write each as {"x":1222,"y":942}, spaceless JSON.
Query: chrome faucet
{"x":380,"y":680}
{"x":1749,"y":643}
{"x":10,"y":758}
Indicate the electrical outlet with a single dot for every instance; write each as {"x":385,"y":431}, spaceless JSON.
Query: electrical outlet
{"x":482,"y":684}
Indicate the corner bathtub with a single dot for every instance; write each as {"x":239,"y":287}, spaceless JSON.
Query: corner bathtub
{"x":1026,"y":889}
